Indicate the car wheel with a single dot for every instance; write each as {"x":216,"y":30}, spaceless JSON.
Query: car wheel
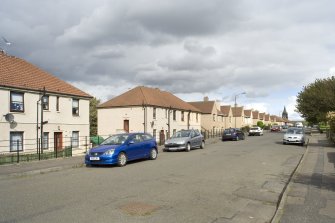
{"x":284,"y":143}
{"x":188,"y":147}
{"x":121,"y":159}
{"x":153,"y":154}
{"x":202,"y":146}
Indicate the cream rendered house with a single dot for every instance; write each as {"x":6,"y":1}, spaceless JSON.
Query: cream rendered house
{"x":248,"y":117}
{"x":255,"y":117}
{"x":212,"y":119}
{"x":26,"y":91}
{"x":228,"y":116}
{"x":238,"y":117}
{"x":150,"y":110}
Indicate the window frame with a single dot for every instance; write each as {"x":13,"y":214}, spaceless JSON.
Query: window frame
{"x":75,"y":110}
{"x":45,"y":104}
{"x":45,"y":143}
{"x":12,"y":143}
{"x":57,"y":103}
{"x":154,"y":113}
{"x":75,"y":140}
{"x":12,"y":93}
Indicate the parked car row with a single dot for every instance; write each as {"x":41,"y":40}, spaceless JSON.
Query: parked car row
{"x":120,"y":148}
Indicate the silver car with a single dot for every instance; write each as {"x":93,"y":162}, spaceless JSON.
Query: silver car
{"x":185,"y":140}
{"x":294,"y":136}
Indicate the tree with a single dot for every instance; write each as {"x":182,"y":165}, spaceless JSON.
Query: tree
{"x":94,"y":116}
{"x":260,"y":124}
{"x":316,"y":100}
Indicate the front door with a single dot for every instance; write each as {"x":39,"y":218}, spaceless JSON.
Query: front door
{"x":126,"y":125}
{"x":161,"y":137}
{"x":58,"y":143}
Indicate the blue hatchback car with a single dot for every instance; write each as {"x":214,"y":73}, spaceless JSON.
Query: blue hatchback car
{"x":120,"y":148}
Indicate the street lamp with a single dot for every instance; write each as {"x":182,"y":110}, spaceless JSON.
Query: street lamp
{"x":236,"y":104}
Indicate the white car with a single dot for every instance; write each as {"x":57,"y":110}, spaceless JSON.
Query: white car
{"x":256,"y":131}
{"x":294,"y":136}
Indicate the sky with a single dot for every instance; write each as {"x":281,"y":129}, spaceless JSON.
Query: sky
{"x":268,"y":49}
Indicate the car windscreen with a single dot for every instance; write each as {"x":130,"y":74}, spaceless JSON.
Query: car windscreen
{"x":181,"y":134}
{"x":254,"y":129}
{"x":115,"y":140}
{"x":294,"y":131}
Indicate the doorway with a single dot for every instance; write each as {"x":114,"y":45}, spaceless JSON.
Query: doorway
{"x":126,"y":125}
{"x":58,"y":143}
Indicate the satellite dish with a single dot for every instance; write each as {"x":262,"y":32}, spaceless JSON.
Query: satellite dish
{"x":13,"y":124}
{"x":9,"y":117}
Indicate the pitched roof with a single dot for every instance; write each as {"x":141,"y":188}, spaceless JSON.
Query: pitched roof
{"x":255,"y":114}
{"x":266,"y":117}
{"x":206,"y":107}
{"x":18,"y":73}
{"x":261,"y":116}
{"x":237,"y":111}
{"x":247,"y":113}
{"x":225,"y":109}
{"x":141,"y":95}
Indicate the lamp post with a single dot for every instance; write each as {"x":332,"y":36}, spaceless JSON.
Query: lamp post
{"x":236,"y":104}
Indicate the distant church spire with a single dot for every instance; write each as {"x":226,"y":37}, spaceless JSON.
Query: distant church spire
{"x":284,"y":114}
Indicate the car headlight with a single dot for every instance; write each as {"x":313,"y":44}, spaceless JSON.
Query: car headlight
{"x":109,"y":152}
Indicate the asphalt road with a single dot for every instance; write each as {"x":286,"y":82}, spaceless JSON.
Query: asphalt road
{"x":225,"y":182}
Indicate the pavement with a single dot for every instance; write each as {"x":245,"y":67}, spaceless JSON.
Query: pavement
{"x":308,"y":197}
{"x":310,"y":194}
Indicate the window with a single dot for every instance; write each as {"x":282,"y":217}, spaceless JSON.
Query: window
{"x":214,"y":117}
{"x":75,"y":107}
{"x":45,"y":140}
{"x":174,"y":115}
{"x":16,"y":102}
{"x":57,"y":103}
{"x":75,"y":139}
{"x":154,"y":113}
{"x":146,"y":137}
{"x":137,"y":138}
{"x":16,"y":141}
{"x":197,"y":116}
{"x":182,"y":116}
{"x":174,"y":131}
{"x":45,"y":102}
{"x":166,"y":113}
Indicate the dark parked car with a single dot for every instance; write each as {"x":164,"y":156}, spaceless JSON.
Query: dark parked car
{"x":233,"y":134}
{"x":121,"y":148}
{"x":185,"y":140}
{"x":275,"y":128}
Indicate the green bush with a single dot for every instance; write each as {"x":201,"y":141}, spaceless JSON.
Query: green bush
{"x":245,"y":128}
{"x":96,"y":140}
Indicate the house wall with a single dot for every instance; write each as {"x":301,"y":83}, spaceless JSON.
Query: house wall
{"x":213,"y":121}
{"x":111,"y":120}
{"x":61,"y":121}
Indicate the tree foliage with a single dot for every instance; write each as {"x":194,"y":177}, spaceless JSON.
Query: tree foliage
{"x":260,"y":124}
{"x":316,"y":100}
{"x":94,"y":116}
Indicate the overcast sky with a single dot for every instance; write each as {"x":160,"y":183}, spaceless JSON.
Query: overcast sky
{"x":269,"y":49}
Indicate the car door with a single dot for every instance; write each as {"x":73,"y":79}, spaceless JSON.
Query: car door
{"x":197,"y":138}
{"x":135,"y":147}
{"x":193,"y":140}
